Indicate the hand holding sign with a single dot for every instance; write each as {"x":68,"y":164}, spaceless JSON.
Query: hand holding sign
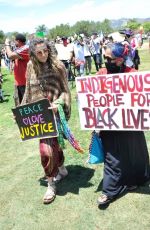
{"x":54,"y":107}
{"x":35,"y":120}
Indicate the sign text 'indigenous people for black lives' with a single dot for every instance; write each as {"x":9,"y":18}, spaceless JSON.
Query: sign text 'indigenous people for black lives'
{"x":115,"y":101}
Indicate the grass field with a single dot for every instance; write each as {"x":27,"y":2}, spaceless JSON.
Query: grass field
{"x":75,"y":206}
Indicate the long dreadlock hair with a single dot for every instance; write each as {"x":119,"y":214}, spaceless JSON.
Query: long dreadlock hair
{"x":54,"y":64}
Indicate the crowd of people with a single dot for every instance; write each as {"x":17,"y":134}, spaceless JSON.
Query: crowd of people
{"x":41,"y":70}
{"x":77,"y":52}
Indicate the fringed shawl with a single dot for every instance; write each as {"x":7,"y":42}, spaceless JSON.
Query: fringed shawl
{"x":48,"y":84}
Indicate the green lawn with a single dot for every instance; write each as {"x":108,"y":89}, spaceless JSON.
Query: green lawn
{"x":75,"y":207}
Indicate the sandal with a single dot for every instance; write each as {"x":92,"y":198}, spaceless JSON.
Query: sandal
{"x":50,"y":194}
{"x":104,"y":200}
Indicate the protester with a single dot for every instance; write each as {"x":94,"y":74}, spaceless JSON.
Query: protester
{"x":77,"y":54}
{"x":63,"y":53}
{"x":46,"y":78}
{"x":96,"y":50}
{"x":87,"y":55}
{"x":1,"y":80}
{"x":126,"y":160}
{"x":131,"y":39}
{"x":1,"y":92}
{"x":21,"y":58}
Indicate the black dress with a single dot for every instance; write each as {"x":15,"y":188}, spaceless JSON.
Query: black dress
{"x":126,"y":161}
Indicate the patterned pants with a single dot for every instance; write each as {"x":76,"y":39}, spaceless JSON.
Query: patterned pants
{"x":51,"y":156}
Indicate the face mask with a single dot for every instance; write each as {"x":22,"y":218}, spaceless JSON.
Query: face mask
{"x":113,"y":68}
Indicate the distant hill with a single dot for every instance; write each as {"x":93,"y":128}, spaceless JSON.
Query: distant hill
{"x":118,"y":23}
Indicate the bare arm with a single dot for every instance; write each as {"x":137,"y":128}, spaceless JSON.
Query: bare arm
{"x":11,"y":54}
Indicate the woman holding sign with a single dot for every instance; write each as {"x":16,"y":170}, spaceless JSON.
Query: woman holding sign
{"x":47,"y":78}
{"x":126,"y":163}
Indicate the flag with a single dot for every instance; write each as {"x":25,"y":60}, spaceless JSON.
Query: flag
{"x":40,"y":34}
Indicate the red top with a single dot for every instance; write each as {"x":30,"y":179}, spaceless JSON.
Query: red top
{"x":21,"y":65}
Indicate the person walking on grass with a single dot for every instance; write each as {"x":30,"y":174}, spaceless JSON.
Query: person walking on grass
{"x":47,"y":78}
{"x":126,"y":158}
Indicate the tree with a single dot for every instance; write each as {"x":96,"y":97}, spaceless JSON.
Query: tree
{"x":61,"y":30}
{"x":41,"y":28}
{"x":133,"y":24}
{"x":83,"y":27}
{"x":105,"y":26}
{"x":2,"y":37}
{"x":146,"y":26}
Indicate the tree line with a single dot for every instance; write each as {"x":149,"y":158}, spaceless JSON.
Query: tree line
{"x":85,"y":27}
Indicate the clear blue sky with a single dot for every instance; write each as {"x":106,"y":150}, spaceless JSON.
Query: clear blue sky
{"x":26,"y":15}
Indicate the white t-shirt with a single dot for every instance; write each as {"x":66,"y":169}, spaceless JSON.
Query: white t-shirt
{"x":86,"y":50}
{"x":95,"y":43}
{"x":63,"y":52}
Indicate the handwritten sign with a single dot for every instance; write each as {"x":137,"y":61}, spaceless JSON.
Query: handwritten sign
{"x":35,"y":120}
{"x":114,"y":101}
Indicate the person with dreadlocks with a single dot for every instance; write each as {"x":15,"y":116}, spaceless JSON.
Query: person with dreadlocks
{"x":47,"y":78}
{"x":126,"y":159}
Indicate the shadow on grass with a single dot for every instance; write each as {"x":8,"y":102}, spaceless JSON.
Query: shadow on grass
{"x":78,"y":177}
{"x":99,"y":188}
{"x":4,"y":74}
{"x":4,"y":100}
{"x":7,"y":95}
{"x":5,"y":79}
{"x":143,"y":189}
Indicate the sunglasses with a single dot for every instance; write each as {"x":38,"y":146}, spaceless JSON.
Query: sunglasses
{"x":41,"y":52}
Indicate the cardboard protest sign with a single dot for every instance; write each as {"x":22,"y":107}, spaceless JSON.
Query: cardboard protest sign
{"x":35,"y":120}
{"x":114,"y":101}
